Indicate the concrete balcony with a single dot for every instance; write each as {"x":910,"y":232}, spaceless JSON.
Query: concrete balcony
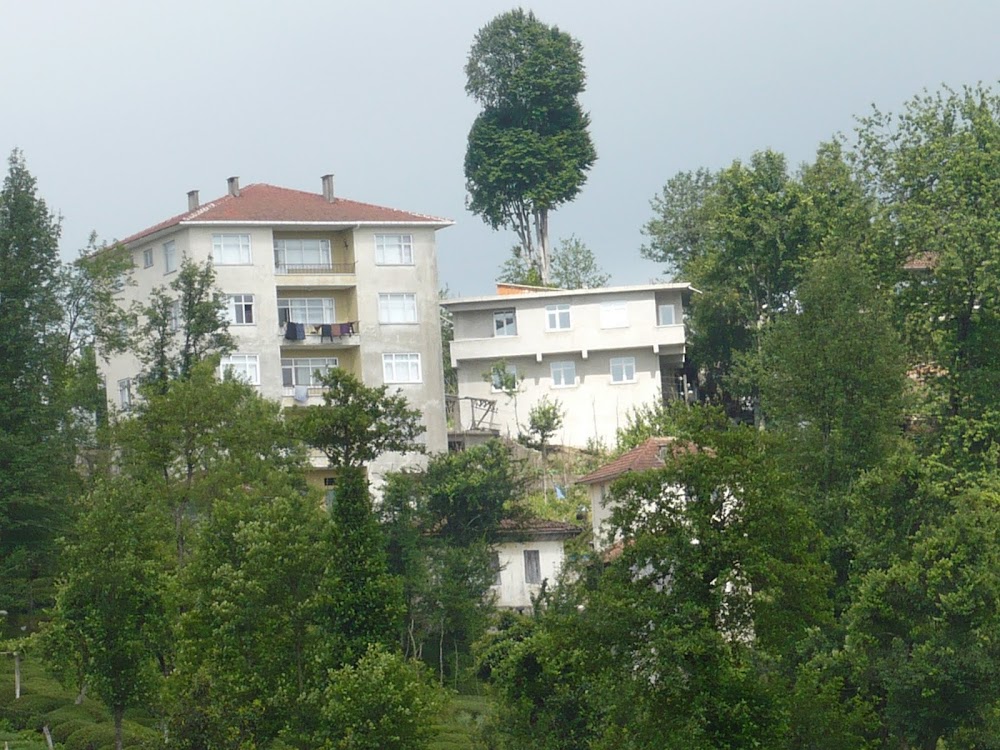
{"x":550,"y":343}
{"x":314,"y":275}
{"x":326,"y":335}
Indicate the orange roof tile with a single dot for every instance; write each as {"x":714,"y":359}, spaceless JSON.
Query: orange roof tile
{"x":267,"y":204}
{"x":642,"y":458}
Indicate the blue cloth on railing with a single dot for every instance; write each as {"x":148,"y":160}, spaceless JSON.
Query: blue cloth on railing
{"x":295,"y":331}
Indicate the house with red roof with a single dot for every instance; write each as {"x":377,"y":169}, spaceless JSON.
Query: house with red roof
{"x":651,"y":454}
{"x":312,"y":281}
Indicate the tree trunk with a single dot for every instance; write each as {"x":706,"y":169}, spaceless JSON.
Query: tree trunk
{"x":118,"y":712}
{"x":48,"y":737}
{"x":542,"y":233}
{"x":17,"y":675}
{"x":81,"y":695}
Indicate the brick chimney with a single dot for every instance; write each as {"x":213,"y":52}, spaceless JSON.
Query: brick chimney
{"x":234,"y":186}
{"x":328,"y":188}
{"x":193,"y":201}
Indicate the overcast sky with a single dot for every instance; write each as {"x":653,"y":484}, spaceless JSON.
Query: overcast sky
{"x":122,"y":106}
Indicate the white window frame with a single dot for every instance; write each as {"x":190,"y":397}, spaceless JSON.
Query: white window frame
{"x":231,"y":249}
{"x":244,"y":367}
{"x":504,"y":323}
{"x":175,"y":316}
{"x":532,"y":564}
{"x":397,"y":307}
{"x":623,"y":370}
{"x":296,"y":252}
{"x":312,"y":311}
{"x":614,"y":314}
{"x":394,"y":249}
{"x":563,"y":373}
{"x":170,"y":259}
{"x":402,"y":367}
{"x":292,"y":369}
{"x":125,"y":394}
{"x":147,"y":258}
{"x":661,"y":309}
{"x":495,"y":385}
{"x":239,"y":306}
{"x":557,"y":317}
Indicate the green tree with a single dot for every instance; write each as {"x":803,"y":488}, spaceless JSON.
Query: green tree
{"x":197,"y":437}
{"x":247,"y":626}
{"x":922,"y":634}
{"x":528,"y":150}
{"x":183,"y":324}
{"x":384,"y":702}
{"x":833,"y":380}
{"x":111,"y":603}
{"x":36,"y":459}
{"x":572,"y":266}
{"x":934,"y":171}
{"x":357,"y":423}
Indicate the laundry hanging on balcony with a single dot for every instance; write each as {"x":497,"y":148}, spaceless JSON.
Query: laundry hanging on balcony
{"x":295,"y":331}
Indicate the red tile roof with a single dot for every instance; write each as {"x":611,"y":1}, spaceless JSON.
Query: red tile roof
{"x":267,"y":204}
{"x":643,"y":458}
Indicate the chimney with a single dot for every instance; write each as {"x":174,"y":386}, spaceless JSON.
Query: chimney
{"x":234,"y":186}
{"x":328,"y":188}
{"x":193,"y":202}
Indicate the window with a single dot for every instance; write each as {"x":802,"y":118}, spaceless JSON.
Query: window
{"x":245,"y":367}
{"x":147,"y":257}
{"x":241,"y":309}
{"x":169,"y":257}
{"x":623,"y":369}
{"x":175,"y":315}
{"x":125,"y":393}
{"x":503,"y":377}
{"x":563,"y":374}
{"x":665,"y":315}
{"x":504,"y":323}
{"x":495,"y":567}
{"x":394,"y":249}
{"x":532,"y":566}
{"x":308,"y":310}
{"x":401,"y":368}
{"x":397,"y":308}
{"x":614,"y":315}
{"x":231,"y":249}
{"x":302,"y":255}
{"x":305,"y":370}
{"x":557,"y":317}
{"x":330,"y":492}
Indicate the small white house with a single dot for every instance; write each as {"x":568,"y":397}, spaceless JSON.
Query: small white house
{"x":530,"y":552}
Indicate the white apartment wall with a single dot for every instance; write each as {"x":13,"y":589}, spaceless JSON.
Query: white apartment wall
{"x":594,"y":407}
{"x":513,"y":592}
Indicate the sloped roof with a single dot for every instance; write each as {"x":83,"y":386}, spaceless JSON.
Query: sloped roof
{"x":537,"y":527}
{"x":642,"y":458}
{"x":268,"y":204}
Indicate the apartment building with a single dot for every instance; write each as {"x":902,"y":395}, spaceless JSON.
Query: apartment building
{"x":599,"y":352}
{"x":313,"y":281}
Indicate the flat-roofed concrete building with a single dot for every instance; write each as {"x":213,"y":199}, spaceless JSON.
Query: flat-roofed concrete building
{"x":600,"y":352}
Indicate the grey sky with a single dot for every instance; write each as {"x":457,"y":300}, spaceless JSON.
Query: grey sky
{"x":122,"y":106}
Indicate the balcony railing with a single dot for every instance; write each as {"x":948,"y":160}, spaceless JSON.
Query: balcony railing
{"x":478,"y":414}
{"x":335,"y":333}
{"x":289,"y":269}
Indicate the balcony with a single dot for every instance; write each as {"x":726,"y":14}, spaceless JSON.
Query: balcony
{"x":327,"y":335}
{"x":304,"y":275}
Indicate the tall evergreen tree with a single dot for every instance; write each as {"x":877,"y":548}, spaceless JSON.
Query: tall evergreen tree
{"x":35,"y":460}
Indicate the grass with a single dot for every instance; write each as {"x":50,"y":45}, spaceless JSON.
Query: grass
{"x":458,"y":726}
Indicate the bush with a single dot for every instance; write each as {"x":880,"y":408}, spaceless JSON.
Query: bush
{"x":102,"y":736}
{"x":25,"y":712}
{"x":62,"y":730}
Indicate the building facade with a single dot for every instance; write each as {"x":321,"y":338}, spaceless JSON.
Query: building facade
{"x":312,"y":281}
{"x":530,"y":554}
{"x":599,"y":352}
